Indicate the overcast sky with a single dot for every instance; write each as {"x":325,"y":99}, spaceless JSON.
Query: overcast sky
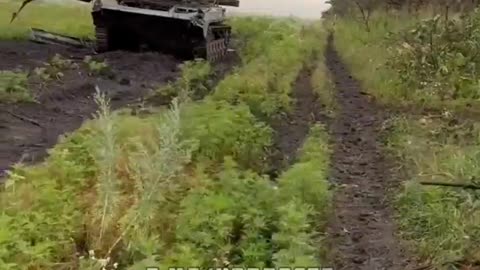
{"x":308,"y":9}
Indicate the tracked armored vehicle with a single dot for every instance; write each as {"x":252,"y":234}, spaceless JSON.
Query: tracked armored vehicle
{"x":188,"y":28}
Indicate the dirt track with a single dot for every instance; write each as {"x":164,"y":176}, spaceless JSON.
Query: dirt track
{"x":292,"y":129}
{"x":362,"y":231}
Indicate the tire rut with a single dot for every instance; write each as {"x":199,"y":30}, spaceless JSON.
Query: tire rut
{"x":292,"y":129}
{"x":362,"y":232}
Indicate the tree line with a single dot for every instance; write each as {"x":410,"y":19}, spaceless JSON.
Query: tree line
{"x":366,"y":7}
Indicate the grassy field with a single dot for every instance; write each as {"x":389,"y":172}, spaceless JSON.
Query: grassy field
{"x":441,"y":223}
{"x":424,"y":62}
{"x":183,"y":186}
{"x":70,"y":19}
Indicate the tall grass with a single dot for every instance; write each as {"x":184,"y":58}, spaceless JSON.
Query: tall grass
{"x":441,"y":223}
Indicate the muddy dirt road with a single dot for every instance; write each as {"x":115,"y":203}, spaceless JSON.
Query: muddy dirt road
{"x":28,"y":129}
{"x":362,"y":231}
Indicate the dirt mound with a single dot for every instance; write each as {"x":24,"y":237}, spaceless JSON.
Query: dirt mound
{"x":28,"y":129}
{"x":362,"y":231}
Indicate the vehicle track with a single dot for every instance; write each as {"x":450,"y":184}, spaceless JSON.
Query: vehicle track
{"x":291,"y":129}
{"x":361,"y":232}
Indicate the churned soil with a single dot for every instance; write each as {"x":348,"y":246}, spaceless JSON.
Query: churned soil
{"x":292,"y":128}
{"x":361,"y":230}
{"x":27,"y":130}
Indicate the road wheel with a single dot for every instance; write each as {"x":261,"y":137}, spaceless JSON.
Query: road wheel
{"x":103,"y":39}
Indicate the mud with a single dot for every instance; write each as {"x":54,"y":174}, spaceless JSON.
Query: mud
{"x":361,"y":232}
{"x":291,"y":129}
{"x":27,"y":130}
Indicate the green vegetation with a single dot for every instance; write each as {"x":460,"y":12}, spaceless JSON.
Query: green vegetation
{"x":183,"y":186}
{"x":367,"y":53}
{"x":439,"y":59}
{"x":441,"y":222}
{"x":223,"y":129}
{"x":194,"y":81}
{"x":426,"y":62}
{"x":306,"y":204}
{"x":272,"y":60}
{"x":71,"y":19}
{"x":97,"y":68}
{"x":14,"y":87}
{"x":323,"y":86}
{"x":54,"y":69}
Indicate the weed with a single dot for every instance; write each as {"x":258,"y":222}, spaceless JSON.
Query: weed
{"x":108,"y":190}
{"x":225,"y":130}
{"x":194,"y":82}
{"x":305,"y":185}
{"x":294,"y":238}
{"x":54,"y":69}
{"x":226,"y":220}
{"x":440,"y":222}
{"x":42,"y":226}
{"x":14,"y":87}
{"x":96,"y":68}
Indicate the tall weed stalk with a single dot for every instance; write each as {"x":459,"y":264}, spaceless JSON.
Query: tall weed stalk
{"x":108,"y":189}
{"x":155,"y":169}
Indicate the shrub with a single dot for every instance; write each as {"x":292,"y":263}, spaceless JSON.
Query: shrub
{"x":194,"y":82}
{"x":223,"y":130}
{"x":42,"y":212}
{"x":293,"y":240}
{"x":440,"y":57}
{"x":230,"y":222}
